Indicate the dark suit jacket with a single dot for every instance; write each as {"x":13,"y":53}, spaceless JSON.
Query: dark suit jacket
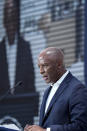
{"x":24,"y":68}
{"x":68,"y":108}
{"x":6,"y":129}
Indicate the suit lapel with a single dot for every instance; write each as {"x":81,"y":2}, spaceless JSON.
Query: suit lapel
{"x":19,"y":60}
{"x":4,"y":69}
{"x":59,"y":91}
{"x":42,"y":110}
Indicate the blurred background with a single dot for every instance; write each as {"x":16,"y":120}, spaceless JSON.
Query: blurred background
{"x":27,"y":27}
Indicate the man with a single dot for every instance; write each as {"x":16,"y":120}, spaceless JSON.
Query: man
{"x":15,"y":55}
{"x":64,"y":105}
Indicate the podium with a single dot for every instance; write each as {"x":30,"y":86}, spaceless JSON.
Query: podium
{"x":22,"y":107}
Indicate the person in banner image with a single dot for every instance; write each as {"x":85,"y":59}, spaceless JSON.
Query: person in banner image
{"x":15,"y":55}
{"x":64,"y":105}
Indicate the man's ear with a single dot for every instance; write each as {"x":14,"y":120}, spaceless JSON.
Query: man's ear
{"x":59,"y":65}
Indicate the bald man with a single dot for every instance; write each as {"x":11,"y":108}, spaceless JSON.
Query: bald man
{"x":64,"y":105}
{"x":16,"y":62}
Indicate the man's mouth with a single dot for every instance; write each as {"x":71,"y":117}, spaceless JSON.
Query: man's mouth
{"x":45,"y":77}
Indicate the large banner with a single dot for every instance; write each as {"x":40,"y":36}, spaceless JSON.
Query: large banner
{"x":17,"y":73}
{"x":26,"y":28}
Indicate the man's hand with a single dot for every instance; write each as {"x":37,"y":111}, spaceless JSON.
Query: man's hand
{"x":33,"y":128}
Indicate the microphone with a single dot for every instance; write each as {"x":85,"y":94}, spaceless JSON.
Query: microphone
{"x":15,"y":86}
{"x":18,"y":84}
{"x":11,"y":90}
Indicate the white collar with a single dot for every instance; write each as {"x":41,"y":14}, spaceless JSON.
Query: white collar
{"x":61,"y":79}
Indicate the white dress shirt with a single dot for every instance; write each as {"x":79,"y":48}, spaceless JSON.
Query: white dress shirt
{"x":53,"y":91}
{"x":11,"y":54}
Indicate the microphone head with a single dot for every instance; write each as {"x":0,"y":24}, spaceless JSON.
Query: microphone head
{"x":12,"y":90}
{"x":19,"y":83}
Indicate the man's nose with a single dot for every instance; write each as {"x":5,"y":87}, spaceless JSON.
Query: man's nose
{"x":41,"y":70}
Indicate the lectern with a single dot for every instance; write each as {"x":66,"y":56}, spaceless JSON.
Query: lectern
{"x":22,"y":107}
